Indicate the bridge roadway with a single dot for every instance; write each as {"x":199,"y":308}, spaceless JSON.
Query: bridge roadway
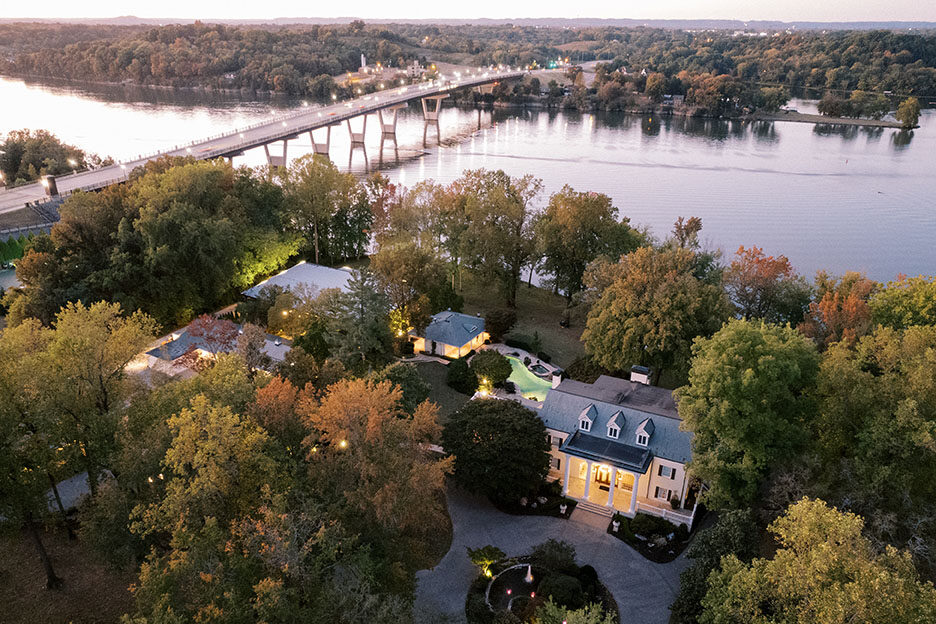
{"x":235,"y":142}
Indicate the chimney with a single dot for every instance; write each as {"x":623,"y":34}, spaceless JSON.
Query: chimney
{"x":640,"y":374}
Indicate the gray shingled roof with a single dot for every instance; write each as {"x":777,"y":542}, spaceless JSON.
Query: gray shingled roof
{"x":605,"y":449}
{"x":178,"y":347}
{"x":635,"y":402}
{"x":454,"y":328}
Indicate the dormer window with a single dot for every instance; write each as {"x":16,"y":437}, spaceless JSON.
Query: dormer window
{"x":587,"y":417}
{"x":614,"y":425}
{"x":644,"y":431}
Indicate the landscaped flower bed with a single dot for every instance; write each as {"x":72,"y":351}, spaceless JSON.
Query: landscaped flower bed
{"x":548,"y":501}
{"x":655,"y":538}
{"x":553,"y":575}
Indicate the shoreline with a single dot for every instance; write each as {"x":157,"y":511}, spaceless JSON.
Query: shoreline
{"x":822,"y":119}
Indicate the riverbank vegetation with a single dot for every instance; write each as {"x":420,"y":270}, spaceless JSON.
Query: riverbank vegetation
{"x":291,"y":59}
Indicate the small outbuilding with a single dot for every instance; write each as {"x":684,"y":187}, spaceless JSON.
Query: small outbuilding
{"x":452,"y":335}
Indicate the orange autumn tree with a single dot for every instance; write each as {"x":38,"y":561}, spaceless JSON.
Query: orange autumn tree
{"x":274,"y":409}
{"x":766,"y":287}
{"x":840,"y":310}
{"x":371,"y":463}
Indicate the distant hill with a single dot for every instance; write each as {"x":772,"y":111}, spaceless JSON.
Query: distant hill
{"x":550,"y":22}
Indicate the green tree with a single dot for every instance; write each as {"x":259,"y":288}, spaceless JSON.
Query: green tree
{"x":500,"y":449}
{"x":500,"y":237}
{"x":328,"y":207}
{"x":651,"y":310}
{"x":28,"y":439}
{"x":908,"y":113}
{"x":575,"y":229}
{"x":747,"y":405}
{"x":734,"y":533}
{"x":825,"y":570}
{"x":85,"y":366}
{"x":905,"y":302}
{"x":491,"y":368}
{"x":415,"y":390}
{"x":874,"y":432}
{"x":358,"y":324}
{"x":27,"y":154}
{"x":656,"y":85}
{"x":460,"y":377}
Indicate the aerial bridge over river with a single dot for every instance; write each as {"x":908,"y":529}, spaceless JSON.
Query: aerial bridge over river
{"x":278,"y":130}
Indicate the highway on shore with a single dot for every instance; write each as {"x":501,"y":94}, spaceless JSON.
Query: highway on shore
{"x":281,"y":127}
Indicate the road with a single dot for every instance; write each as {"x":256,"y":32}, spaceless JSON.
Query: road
{"x":237,"y":140}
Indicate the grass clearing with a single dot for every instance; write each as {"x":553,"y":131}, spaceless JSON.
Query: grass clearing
{"x":538,"y":311}
{"x":448,"y":400}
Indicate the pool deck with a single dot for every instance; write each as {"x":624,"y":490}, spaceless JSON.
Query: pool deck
{"x":520,"y":354}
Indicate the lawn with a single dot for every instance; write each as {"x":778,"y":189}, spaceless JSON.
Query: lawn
{"x":448,"y":400}
{"x":92,"y":593}
{"x":539,"y":311}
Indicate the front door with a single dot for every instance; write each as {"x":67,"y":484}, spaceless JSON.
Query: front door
{"x":603,"y":477}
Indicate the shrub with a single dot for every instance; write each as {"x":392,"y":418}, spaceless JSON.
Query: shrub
{"x":486,"y":555}
{"x":555,"y":555}
{"x":491,"y":365}
{"x":543,"y":356}
{"x":682,"y":532}
{"x":506,"y":617}
{"x":674,"y":502}
{"x":564,"y":589}
{"x":585,"y":370}
{"x":646,"y":525}
{"x":523,"y":341}
{"x":588,"y":577}
{"x":460,"y":377}
{"x":477,"y":610}
{"x":407,"y":349}
{"x":498,"y":322}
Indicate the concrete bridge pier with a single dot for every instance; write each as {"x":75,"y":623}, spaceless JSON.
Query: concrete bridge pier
{"x":431,"y":115}
{"x":396,"y":151}
{"x":388,"y":129}
{"x":322,"y":148}
{"x":357,"y":138}
{"x":272,"y":159}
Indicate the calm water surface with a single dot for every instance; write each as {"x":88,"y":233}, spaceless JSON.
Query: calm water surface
{"x":828,"y":197}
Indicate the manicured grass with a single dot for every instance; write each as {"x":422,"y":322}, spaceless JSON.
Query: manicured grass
{"x":448,"y":400}
{"x":538,"y":311}
{"x":92,"y":593}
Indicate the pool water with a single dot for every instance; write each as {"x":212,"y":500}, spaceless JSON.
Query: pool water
{"x":529,"y":385}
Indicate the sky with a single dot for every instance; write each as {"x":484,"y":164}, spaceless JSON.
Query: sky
{"x":785,"y":10}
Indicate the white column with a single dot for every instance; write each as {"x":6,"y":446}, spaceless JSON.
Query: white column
{"x":587,"y":478}
{"x":633,"y":501}
{"x":611,"y":489}
{"x":685,"y":489}
{"x":565,"y":482}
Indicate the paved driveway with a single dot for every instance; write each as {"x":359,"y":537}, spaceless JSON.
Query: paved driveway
{"x":643,"y":589}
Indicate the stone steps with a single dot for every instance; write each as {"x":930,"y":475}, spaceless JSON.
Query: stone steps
{"x":601,"y":510}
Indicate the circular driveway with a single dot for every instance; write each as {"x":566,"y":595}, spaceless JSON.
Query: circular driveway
{"x":643,"y":589}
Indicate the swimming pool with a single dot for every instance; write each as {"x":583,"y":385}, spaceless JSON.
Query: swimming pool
{"x":529,"y":385}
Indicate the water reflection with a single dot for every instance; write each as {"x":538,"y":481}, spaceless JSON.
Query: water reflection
{"x":813,"y":193}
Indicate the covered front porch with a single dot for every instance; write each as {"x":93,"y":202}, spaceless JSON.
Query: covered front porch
{"x":601,"y":484}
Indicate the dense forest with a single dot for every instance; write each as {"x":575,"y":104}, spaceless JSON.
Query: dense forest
{"x":287,"y":58}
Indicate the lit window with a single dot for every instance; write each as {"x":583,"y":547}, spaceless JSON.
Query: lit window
{"x":662,"y":493}
{"x":642,"y":439}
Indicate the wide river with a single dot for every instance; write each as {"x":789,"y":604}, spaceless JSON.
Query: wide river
{"x":837,"y":198}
